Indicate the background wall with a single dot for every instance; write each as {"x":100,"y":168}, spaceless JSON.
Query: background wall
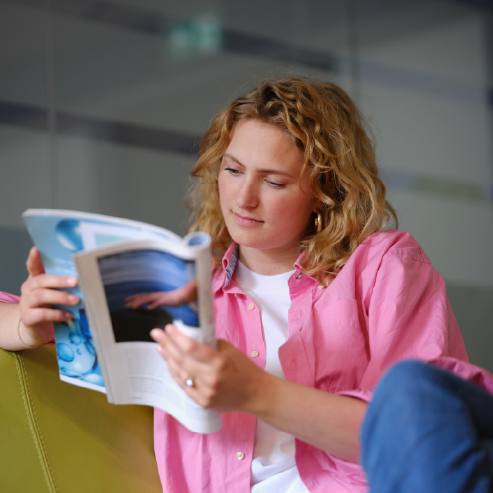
{"x":103,"y":102}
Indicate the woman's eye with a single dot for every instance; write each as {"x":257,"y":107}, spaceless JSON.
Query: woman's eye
{"x":275,"y":185}
{"x":232,"y":171}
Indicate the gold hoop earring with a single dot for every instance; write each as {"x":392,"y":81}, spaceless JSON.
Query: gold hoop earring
{"x":318,"y":222}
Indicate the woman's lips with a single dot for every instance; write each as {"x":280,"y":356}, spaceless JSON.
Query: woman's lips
{"x":246,"y":221}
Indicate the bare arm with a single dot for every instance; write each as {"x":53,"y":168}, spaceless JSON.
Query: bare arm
{"x":9,"y":318}
{"x":226,"y":380}
{"x":38,"y":293}
{"x":329,"y":422}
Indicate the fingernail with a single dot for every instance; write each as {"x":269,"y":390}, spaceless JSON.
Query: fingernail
{"x":169,"y":328}
{"x":71,"y":281}
{"x":73,"y":298}
{"x":154,"y":333}
{"x":68,"y":315}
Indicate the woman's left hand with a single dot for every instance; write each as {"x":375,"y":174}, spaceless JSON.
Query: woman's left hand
{"x":224,"y":379}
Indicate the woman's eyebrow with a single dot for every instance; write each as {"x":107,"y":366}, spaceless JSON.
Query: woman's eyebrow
{"x":229,"y":156}
{"x":265,"y":171}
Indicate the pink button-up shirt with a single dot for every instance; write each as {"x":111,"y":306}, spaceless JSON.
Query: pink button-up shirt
{"x":388,"y":303}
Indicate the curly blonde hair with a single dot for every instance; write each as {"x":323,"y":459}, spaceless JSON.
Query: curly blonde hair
{"x":339,"y":159}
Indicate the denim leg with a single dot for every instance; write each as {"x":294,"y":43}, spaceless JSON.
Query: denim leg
{"x":427,"y":430}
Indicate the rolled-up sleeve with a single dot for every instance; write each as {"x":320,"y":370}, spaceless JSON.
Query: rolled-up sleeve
{"x":8,"y":298}
{"x":408,"y":317}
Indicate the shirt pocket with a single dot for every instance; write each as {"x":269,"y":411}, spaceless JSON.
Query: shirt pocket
{"x":340,"y":346}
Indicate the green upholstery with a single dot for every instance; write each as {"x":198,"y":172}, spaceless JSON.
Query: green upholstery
{"x":59,"y":438}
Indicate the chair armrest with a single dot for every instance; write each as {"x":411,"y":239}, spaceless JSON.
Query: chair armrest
{"x":57,"y":437}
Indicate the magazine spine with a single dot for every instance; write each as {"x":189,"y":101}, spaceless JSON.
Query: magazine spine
{"x":203,"y":260}
{"x":83,"y":284}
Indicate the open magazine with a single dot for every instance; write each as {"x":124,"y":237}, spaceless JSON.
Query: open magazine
{"x":133,"y":277}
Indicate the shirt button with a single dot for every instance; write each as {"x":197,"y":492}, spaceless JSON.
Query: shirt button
{"x":251,"y":306}
{"x":321,"y":287}
{"x":254,"y":354}
{"x":240,"y":455}
{"x":298,"y":277}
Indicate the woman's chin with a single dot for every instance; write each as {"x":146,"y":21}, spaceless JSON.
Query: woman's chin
{"x":249,"y":240}
{"x":263,"y":244}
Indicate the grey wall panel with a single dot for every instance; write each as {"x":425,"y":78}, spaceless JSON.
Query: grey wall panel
{"x":14,"y":247}
{"x":25,"y":173}
{"x":456,"y":234}
{"x":473,"y":308}
{"x":22,"y":53}
{"x":124,"y":181}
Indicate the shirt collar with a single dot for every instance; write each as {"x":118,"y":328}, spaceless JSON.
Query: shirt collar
{"x":222,"y":277}
{"x":230,"y":260}
{"x":299,"y":261}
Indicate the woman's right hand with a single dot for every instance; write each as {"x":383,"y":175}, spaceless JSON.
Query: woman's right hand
{"x":38,"y":293}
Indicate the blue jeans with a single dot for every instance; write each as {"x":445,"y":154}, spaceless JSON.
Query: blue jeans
{"x":427,"y":430}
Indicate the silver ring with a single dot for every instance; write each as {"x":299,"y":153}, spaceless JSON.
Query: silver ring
{"x":189,"y":382}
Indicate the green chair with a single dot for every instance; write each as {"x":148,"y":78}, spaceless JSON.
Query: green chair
{"x":59,"y":438}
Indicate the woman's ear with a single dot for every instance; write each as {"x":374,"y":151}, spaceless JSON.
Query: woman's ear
{"x":317,"y":206}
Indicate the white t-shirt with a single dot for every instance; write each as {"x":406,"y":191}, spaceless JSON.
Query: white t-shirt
{"x":273,"y":466}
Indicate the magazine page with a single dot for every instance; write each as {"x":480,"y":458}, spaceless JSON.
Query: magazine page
{"x":58,"y":234}
{"x":131,"y":288}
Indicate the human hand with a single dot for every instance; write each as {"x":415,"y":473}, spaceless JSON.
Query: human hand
{"x":152,"y":300}
{"x":177,"y":297}
{"x":38,"y":293}
{"x":224,"y":378}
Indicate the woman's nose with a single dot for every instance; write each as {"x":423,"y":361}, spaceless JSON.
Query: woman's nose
{"x":247,"y":196}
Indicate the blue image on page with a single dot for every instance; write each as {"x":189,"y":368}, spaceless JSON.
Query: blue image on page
{"x":58,"y":238}
{"x":148,"y":289}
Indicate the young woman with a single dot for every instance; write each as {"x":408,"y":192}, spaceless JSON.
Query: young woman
{"x":313,"y":299}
